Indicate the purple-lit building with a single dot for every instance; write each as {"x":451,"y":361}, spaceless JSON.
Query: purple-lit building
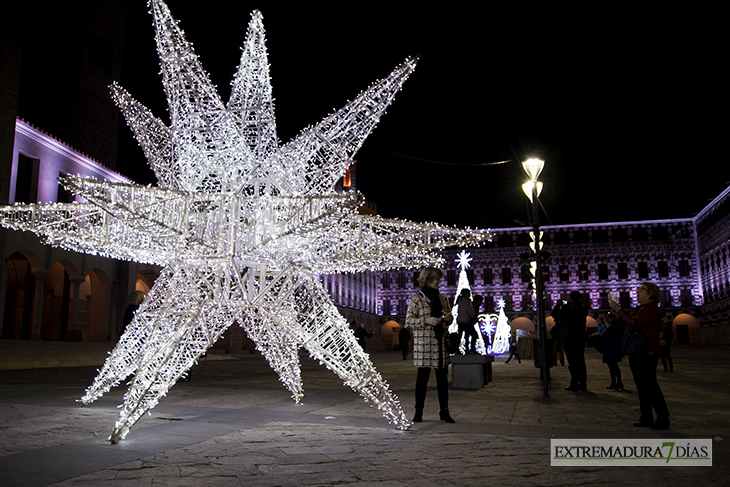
{"x":686,"y":258}
{"x":49,"y":293}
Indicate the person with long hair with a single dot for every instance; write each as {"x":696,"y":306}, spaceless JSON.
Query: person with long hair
{"x":611,"y":351}
{"x":646,"y":319}
{"x":429,"y":317}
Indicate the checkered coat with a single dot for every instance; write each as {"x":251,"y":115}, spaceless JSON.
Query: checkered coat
{"x":425,"y":346}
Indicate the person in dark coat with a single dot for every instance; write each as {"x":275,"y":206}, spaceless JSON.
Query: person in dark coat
{"x":572,"y":317}
{"x":404,"y":337}
{"x":360,"y":333}
{"x":611,"y":350}
{"x":646,"y":318}
{"x":466,"y":319}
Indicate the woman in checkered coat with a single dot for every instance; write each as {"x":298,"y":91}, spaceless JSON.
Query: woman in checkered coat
{"x":429,"y":317}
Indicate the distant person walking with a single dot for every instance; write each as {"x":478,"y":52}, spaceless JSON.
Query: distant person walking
{"x":513,"y":352}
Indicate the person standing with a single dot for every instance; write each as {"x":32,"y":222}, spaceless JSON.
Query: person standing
{"x":429,"y":317}
{"x":572,"y":317}
{"x":557,"y":343}
{"x":611,"y":350}
{"x":466,"y":320}
{"x":646,"y":320}
{"x":404,"y":337}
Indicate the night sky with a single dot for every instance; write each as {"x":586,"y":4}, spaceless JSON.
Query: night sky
{"x":626,"y":107}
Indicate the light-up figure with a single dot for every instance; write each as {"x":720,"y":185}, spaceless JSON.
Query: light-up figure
{"x":242,"y":226}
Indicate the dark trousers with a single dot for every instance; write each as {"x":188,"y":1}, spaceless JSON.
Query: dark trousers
{"x":615,"y":372}
{"x":466,"y":331}
{"x":667,"y":357}
{"x":404,"y":349}
{"x":514,"y":354}
{"x":576,"y":364}
{"x":643,"y":368}
{"x":442,"y":386}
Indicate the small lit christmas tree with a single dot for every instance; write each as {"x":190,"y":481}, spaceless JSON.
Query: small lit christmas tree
{"x":463,"y":260}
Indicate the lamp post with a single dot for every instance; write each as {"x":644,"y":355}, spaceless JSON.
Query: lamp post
{"x":533,"y":188}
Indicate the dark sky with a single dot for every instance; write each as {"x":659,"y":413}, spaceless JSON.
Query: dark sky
{"x":625,"y":106}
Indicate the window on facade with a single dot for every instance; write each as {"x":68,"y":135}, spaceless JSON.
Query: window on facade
{"x":684,"y":268}
{"x":562,"y":238}
{"x":386,"y":280}
{"x":545,"y":273}
{"x":643,"y":270}
{"x":639,"y":234}
{"x":415,"y":279}
{"x":506,"y":275}
{"x":564,"y":273}
{"x":488,"y":304}
{"x":451,"y":277}
{"x":386,"y":307}
{"x":663,"y":268}
{"x":583,"y":272}
{"x":62,"y":194}
{"x":686,"y":297}
{"x":603,"y":272}
{"x":470,"y":276}
{"x":620,"y":235}
{"x":26,"y":180}
{"x":488,"y":277}
{"x":659,"y":233}
{"x":505,"y":241}
{"x":526,"y":274}
{"x":580,"y":237}
{"x":600,"y":236}
{"x":402,"y":306}
{"x":401,"y":280}
{"x":624,"y":299}
{"x":666,"y":298}
{"x":623,"y":270}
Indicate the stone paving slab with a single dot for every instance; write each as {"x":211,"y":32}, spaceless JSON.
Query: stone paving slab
{"x":234,"y":424}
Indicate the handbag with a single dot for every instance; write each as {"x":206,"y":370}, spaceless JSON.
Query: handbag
{"x":635,"y":342}
{"x":453,"y":340}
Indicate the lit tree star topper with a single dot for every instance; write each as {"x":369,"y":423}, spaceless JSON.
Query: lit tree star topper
{"x":463,"y":260}
{"x":241,"y":225}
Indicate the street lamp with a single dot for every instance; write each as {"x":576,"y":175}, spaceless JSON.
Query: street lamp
{"x":533,"y":188}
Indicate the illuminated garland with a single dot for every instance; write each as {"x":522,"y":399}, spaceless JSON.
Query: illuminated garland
{"x":241,"y":225}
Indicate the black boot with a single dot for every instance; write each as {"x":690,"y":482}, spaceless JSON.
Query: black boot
{"x":445,"y":416}
{"x":418,"y":417}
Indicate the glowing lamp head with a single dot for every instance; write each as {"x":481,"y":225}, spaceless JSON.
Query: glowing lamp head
{"x":528,"y":187}
{"x":533,"y":167}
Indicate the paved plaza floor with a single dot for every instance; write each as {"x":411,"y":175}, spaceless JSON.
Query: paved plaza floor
{"x":234,"y":424}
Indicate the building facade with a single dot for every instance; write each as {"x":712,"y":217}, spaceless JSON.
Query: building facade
{"x":687,"y":258}
{"x":49,"y":293}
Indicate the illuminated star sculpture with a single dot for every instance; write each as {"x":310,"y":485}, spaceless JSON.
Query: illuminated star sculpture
{"x":241,"y":225}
